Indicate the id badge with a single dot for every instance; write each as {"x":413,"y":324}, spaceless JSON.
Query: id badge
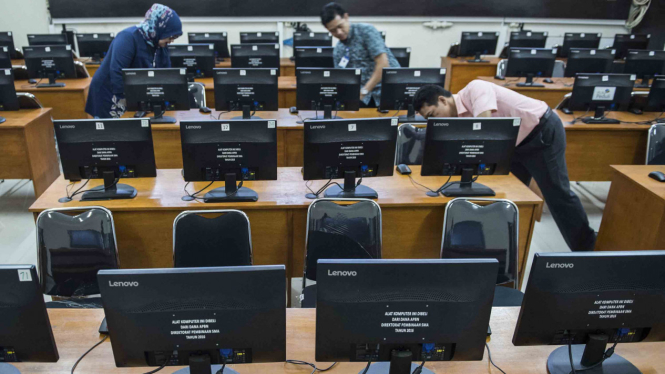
{"x":343,"y":62}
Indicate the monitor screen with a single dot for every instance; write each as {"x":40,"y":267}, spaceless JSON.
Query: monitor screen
{"x":478,"y":43}
{"x":255,"y":56}
{"x":7,"y":40}
{"x":256,"y":88}
{"x":527,"y":39}
{"x":259,"y":37}
{"x":337,"y":88}
{"x":186,"y":316}
{"x":579,"y":40}
{"x":582,"y":60}
{"x":624,"y":42}
{"x":402,"y":55}
{"x":219,"y":39}
{"x":55,"y":61}
{"x":314,"y":57}
{"x":536,"y":62}
{"x":47,"y":39}
{"x":94,"y":45}
{"x":8,"y":98}
{"x":312,"y":39}
{"x":611,"y":91}
{"x":198,"y":59}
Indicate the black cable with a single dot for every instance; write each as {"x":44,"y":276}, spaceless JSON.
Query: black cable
{"x":78,"y":192}
{"x":419,"y":369}
{"x":367,"y":367}
{"x":219,"y":116}
{"x":421,"y":185}
{"x":221,"y":371}
{"x":489,"y":355}
{"x":88,"y":351}
{"x":578,"y":118}
{"x":197,"y":192}
{"x":645,"y":122}
{"x":298,"y":362}
{"x":320,"y":191}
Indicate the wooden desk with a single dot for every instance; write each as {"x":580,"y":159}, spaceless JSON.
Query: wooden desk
{"x":634,"y":215}
{"x":459,"y":72}
{"x":75,"y":331}
{"x":28,"y":148}
{"x":412,"y":222}
{"x":287,"y":67}
{"x":66,"y":102}
{"x":286,"y":87}
{"x":591,"y":149}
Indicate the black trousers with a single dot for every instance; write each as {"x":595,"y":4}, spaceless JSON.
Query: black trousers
{"x":542,"y":156}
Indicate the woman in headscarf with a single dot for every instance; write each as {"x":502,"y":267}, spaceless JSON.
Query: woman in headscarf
{"x":141,"y":46}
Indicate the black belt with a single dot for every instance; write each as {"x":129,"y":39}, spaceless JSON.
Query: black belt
{"x":539,"y":127}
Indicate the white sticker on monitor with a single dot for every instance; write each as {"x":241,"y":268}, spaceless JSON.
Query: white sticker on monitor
{"x":211,"y":46}
{"x":545,"y":33}
{"x":273,"y":72}
{"x":605,"y":78}
{"x":480,"y":34}
{"x":394,"y":122}
{"x":311,"y":34}
{"x":319,"y":50}
{"x":326,"y":73}
{"x":145,"y":123}
{"x":599,"y":35}
{"x":614,"y":51}
{"x":516,"y":122}
{"x":632,"y":36}
{"x":633,"y":77}
{"x":47,"y":49}
{"x":442,"y":71}
{"x":206,"y":35}
{"x":99,"y":125}
{"x":408,"y":49}
{"x":592,"y":52}
{"x":243,"y":72}
{"x":603,"y":93}
{"x":183,"y":71}
{"x":416,"y":73}
{"x":258,"y":34}
{"x":476,"y":125}
{"x":582,"y":35}
{"x":68,"y":47}
{"x":276,"y":34}
{"x":276,"y":46}
{"x":95,"y":36}
{"x":357,"y":71}
{"x":4,"y":49}
{"x":226,"y":127}
{"x":528,"y":33}
{"x":652,"y":53}
{"x":24,"y":275}
{"x":151,"y":74}
{"x":533,"y":51}
{"x":8,"y":71}
{"x":9,"y":33}
{"x":255,"y":48}
{"x":352,"y":127}
{"x":271,"y":124}
{"x":190,"y":48}
{"x":224,"y":34}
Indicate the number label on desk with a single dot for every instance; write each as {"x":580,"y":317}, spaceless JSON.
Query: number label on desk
{"x":24,"y":276}
{"x":226,"y":127}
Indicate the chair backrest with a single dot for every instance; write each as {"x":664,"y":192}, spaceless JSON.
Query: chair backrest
{"x":20,"y":72}
{"x":73,"y":244}
{"x":342,"y":231}
{"x":564,"y":102}
{"x":81,"y":70}
{"x":26,"y":100}
{"x":410,"y":144}
{"x":471,"y":230}
{"x":204,"y":238}
{"x":197,"y":95}
{"x":501,"y":68}
{"x":656,"y":145}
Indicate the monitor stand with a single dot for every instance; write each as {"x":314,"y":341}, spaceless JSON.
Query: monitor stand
{"x":327,"y":112}
{"x":477,"y":58}
{"x":8,"y":369}
{"x":588,"y":355}
{"x":109,"y":191}
{"x":598,"y":119}
{"x":2,"y":119}
{"x":159,"y":117}
{"x":230,"y":192}
{"x":529,"y":82}
{"x":200,"y":364}
{"x":411,"y":116}
{"x":247,"y":113}
{"x":466,"y":187}
{"x":51,"y":82}
{"x":350,"y":191}
{"x":400,"y":363}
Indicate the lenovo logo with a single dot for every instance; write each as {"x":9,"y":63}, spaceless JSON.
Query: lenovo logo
{"x":559,"y":266}
{"x":344,"y":273}
{"x":123,"y":284}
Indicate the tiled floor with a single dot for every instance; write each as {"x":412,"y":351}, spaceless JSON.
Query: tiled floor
{"x":18,"y":245}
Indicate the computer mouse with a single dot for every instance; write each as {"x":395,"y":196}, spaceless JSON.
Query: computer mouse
{"x":548,"y":80}
{"x":205,"y":110}
{"x":382,"y":111}
{"x":293,"y":110}
{"x":32,"y":81}
{"x":567,"y":111}
{"x":636,"y":111}
{"x":657,"y":175}
{"x":404,"y":169}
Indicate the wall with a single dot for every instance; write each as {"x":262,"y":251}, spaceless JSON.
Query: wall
{"x":24,"y":17}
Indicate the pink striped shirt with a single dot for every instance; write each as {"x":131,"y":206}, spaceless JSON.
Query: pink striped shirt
{"x":480,"y":96}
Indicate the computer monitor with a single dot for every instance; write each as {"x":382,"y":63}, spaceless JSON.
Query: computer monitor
{"x":25,"y":328}
{"x":625,"y":42}
{"x":219,"y":39}
{"x":196,"y":316}
{"x":527,"y":39}
{"x":312,"y":39}
{"x":198,"y":59}
{"x":5,"y":58}
{"x":468,"y":147}
{"x":247,"y":90}
{"x":314,"y":57}
{"x":399,"y":86}
{"x":579,"y":40}
{"x":393,"y":312}
{"x":583,"y":60}
{"x":156,"y":90}
{"x":229,"y":151}
{"x":531,"y":63}
{"x":601,"y":92}
{"x":52,"y":62}
{"x":259,"y":37}
{"x":255,"y":56}
{"x":327,"y":90}
{"x":7,"y":40}
{"x":94,"y":46}
{"x":402,"y":55}
{"x":645,"y":65}
{"x":656,"y":100}
{"x":109,"y":149}
{"x":586,"y":300}
{"x":349,"y":149}
{"x":477,"y":44}
{"x":47,"y":39}
{"x":8,"y":98}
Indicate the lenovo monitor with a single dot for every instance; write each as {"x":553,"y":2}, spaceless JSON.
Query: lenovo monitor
{"x":392,"y":312}
{"x":218,"y":39}
{"x":327,"y":90}
{"x":625,"y":42}
{"x":7,"y":40}
{"x":585,"y":300}
{"x":468,"y":147}
{"x":527,"y":39}
{"x":51,"y":62}
{"x":108,"y":149}
{"x":5,"y":58}
{"x":402,"y":55}
{"x":582,"y":60}
{"x":259,"y":37}
{"x":255,"y":56}
{"x":198,"y":59}
{"x":399,"y":86}
{"x":248,"y":90}
{"x":25,"y":328}
{"x":8,"y":98}
{"x":312,"y":39}
{"x":531,"y":63}
{"x":579,"y":40}
{"x":601,"y":92}
{"x":204,"y":318}
{"x":229,"y":151}
{"x":656,"y":100}
{"x":645,"y":65}
{"x":47,"y":39}
{"x":314,"y":57}
{"x":477,"y":44}
{"x":94,"y":46}
{"x":156,"y":90}
{"x":349,"y":149}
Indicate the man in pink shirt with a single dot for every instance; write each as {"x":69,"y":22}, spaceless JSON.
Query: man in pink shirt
{"x":540,"y":151}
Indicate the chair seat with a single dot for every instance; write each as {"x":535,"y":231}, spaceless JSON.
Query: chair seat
{"x":506,"y":296}
{"x":308,"y":297}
